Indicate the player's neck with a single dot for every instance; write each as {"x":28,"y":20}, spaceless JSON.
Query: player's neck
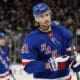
{"x":45,"y":30}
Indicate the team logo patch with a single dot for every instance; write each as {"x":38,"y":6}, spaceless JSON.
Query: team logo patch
{"x":25,"y":48}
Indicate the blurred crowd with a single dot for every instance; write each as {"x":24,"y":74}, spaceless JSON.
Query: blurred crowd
{"x":16,"y":17}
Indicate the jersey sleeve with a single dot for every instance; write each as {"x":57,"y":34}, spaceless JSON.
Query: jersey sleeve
{"x":6,"y":49}
{"x":67,"y":35}
{"x":68,"y":41}
{"x":29,"y":57}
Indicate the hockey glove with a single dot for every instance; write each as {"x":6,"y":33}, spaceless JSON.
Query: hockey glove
{"x":59,"y":63}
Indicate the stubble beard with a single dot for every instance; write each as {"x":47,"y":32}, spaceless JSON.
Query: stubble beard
{"x":45,"y":28}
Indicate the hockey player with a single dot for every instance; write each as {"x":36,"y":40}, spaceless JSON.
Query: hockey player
{"x":4,"y":61}
{"x":46,"y":51}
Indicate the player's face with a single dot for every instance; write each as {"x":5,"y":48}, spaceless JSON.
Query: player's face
{"x":2,"y":42}
{"x":44,"y":20}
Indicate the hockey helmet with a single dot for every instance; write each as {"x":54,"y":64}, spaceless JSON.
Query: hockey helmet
{"x":2,"y":35}
{"x":40,"y":8}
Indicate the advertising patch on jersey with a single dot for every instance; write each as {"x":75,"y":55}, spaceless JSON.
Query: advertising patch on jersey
{"x":25,"y":49}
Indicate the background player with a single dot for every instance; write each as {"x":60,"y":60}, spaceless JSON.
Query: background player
{"x":4,"y":60}
{"x":46,"y":51}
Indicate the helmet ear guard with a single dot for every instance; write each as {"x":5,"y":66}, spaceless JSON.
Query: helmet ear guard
{"x":36,"y":18}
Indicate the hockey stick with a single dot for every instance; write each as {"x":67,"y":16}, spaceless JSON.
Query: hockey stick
{"x":73,"y":62}
{"x":11,"y":72}
{"x":75,"y":42}
{"x":13,"y":76}
{"x":77,"y":74}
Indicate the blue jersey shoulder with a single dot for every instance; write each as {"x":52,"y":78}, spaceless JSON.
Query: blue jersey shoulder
{"x":31,"y":37}
{"x":66,"y":33}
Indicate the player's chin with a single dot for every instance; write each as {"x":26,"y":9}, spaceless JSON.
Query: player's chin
{"x":45,"y":29}
{"x":47,"y":25}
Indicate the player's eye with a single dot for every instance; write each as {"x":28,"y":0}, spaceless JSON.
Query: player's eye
{"x":47,"y":14}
